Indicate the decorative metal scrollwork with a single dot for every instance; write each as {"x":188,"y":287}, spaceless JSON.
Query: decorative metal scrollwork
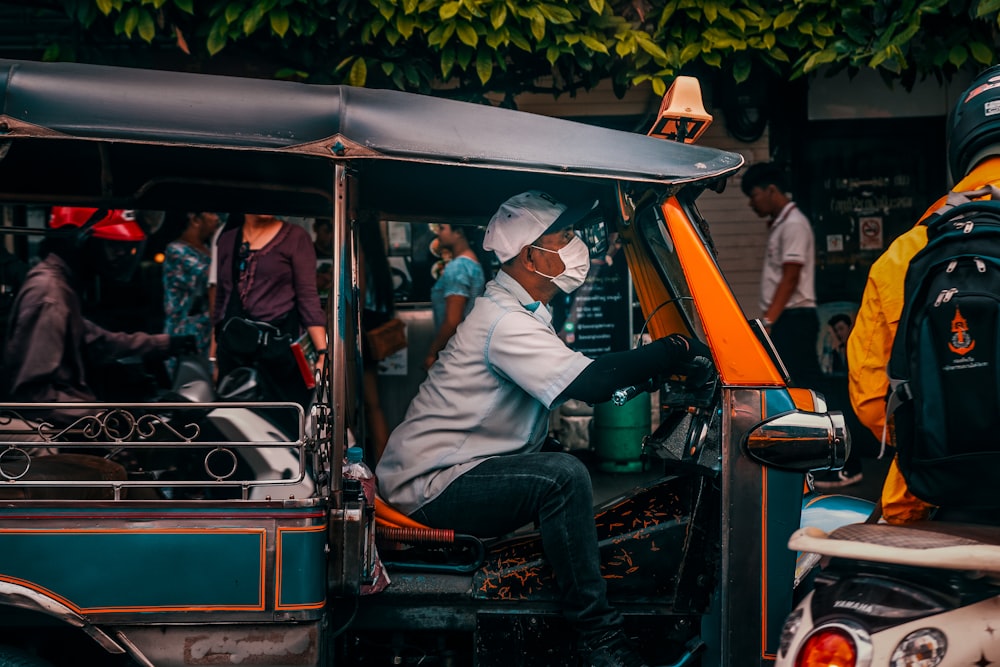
{"x":11,"y":459}
{"x":117,"y":426}
{"x":220,"y":454}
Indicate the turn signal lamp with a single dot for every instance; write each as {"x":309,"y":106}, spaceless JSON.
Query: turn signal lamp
{"x":829,"y":647}
{"x":682,"y":116}
{"x":924,"y":648}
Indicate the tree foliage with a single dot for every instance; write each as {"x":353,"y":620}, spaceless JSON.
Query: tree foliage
{"x":509,"y":46}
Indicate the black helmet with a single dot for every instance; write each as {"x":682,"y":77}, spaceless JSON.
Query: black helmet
{"x":974,"y":124}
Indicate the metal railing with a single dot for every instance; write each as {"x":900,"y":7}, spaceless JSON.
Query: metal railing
{"x":179,"y":450}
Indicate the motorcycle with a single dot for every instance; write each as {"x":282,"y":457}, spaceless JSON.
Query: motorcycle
{"x":924,"y":594}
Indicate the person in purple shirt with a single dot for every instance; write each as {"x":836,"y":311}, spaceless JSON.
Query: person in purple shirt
{"x":267,"y":273}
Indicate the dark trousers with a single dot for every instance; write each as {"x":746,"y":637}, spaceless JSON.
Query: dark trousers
{"x":795,"y":334}
{"x":551,"y":488}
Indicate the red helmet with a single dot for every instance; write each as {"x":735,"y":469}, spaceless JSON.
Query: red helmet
{"x":116,"y":225}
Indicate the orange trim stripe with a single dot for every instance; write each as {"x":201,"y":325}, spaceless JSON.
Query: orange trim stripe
{"x":279,"y":550}
{"x":260,"y":606}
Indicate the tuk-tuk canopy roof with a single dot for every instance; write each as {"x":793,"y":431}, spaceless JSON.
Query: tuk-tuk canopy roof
{"x":145,"y":139}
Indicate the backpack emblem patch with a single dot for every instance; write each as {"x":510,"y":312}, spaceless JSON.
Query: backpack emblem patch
{"x":961,"y":342}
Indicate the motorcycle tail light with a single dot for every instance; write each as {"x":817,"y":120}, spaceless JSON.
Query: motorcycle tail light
{"x":923,"y":648}
{"x":828,"y":647}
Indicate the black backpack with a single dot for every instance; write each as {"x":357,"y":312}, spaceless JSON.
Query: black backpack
{"x":945,"y":381}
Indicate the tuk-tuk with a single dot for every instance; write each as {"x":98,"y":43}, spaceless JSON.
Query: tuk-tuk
{"x":265,"y":564}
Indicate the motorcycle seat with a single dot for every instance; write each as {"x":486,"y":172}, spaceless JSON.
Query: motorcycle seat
{"x":964,"y":547}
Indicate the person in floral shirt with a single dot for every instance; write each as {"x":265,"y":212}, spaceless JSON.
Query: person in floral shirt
{"x":185,"y":280}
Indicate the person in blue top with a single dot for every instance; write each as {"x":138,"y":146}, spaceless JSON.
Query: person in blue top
{"x":468,"y":454}
{"x":455,"y":291}
{"x":185,"y":280}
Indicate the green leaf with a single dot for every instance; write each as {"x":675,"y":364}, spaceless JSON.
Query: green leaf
{"x":51,"y":53}
{"x":597,"y":6}
{"x":518,"y":39}
{"x":958,"y":55}
{"x":447,"y":63}
{"x":711,"y":12}
{"x":651,"y":47}
{"x":594,"y":45}
{"x":741,"y":69}
{"x":467,"y":34}
{"x":538,"y":27}
{"x":131,"y":21}
{"x":412,"y":75}
{"x":104,"y":6}
{"x":217,"y":37}
{"x":388,"y":67}
{"x":985,"y":7}
{"x":484,"y":66}
{"x":234,"y":10}
{"x":185,"y":5}
{"x":624,"y":47}
{"x":405,"y":25}
{"x":252,"y":19}
{"x":409,"y":7}
{"x":713,"y":58}
{"x":147,"y":27}
{"x":785,"y":18}
{"x":449,"y":10}
{"x":981,"y":53}
{"x":824,"y":30}
{"x":659,"y":87}
{"x":556,"y":14}
{"x":552,"y":54}
{"x":498,"y":15}
{"x":690,"y":52}
{"x":820,"y":58}
{"x":359,"y":73}
{"x":735,"y":18}
{"x":463,"y":56}
{"x":279,"y":21}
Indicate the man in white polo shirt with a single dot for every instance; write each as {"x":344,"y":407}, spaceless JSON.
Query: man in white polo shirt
{"x":787,"y":289}
{"x":468,"y":457}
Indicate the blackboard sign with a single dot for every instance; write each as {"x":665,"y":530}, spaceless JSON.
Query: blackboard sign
{"x":594,"y":319}
{"x":865,"y":182}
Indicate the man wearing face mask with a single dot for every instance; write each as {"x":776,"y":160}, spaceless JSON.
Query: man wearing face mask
{"x":468,"y":457}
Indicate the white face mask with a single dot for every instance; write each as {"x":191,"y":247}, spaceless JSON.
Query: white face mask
{"x":576,"y":259}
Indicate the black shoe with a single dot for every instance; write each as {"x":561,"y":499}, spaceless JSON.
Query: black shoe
{"x":612,"y":650}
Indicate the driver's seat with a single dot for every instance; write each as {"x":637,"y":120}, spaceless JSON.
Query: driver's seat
{"x":407,"y":544}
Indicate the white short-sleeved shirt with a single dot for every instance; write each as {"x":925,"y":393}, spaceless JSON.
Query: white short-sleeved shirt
{"x":488,"y":394}
{"x":790,"y":241}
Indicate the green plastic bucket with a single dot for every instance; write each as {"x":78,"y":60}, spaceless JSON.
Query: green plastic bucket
{"x":618,"y":433}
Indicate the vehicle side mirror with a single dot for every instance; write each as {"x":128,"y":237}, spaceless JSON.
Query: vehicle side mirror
{"x":800,"y":441}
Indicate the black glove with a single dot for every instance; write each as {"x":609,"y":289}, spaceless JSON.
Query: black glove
{"x":181,"y":345}
{"x":693,"y":360}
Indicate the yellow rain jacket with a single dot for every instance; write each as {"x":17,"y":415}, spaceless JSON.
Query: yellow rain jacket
{"x":870,"y":343}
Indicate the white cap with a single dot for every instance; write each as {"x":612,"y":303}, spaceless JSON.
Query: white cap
{"x":523,"y":218}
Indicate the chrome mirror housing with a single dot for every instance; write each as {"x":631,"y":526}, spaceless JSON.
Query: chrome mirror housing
{"x":800,"y":441}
